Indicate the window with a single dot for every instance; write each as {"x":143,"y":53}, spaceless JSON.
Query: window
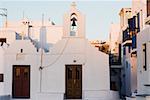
{"x":2,"y":40}
{"x":148,"y":8}
{"x":132,"y":23}
{"x":134,"y":41}
{"x":1,"y":78}
{"x":138,"y":22}
{"x":21,"y":50}
{"x":144,"y":57}
{"x":124,"y":50}
{"x":18,"y":36}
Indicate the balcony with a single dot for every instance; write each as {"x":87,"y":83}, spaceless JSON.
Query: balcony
{"x":127,"y":38}
{"x":114,"y":59}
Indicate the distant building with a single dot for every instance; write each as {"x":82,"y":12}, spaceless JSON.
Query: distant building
{"x":126,"y":42}
{"x":114,"y":38}
{"x":115,"y":58}
{"x":28,"y":28}
{"x":101,"y":46}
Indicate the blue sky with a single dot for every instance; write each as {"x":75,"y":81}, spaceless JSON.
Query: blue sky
{"x":99,"y":14}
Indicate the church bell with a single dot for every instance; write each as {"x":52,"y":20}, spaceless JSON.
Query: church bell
{"x":74,"y":21}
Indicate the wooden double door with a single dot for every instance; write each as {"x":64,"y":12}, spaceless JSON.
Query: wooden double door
{"x":73,"y":81}
{"x":21,"y":81}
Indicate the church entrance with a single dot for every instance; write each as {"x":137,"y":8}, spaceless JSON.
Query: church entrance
{"x":21,"y":81}
{"x":73,"y":81}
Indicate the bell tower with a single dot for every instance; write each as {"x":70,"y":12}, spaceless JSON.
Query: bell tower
{"x":74,"y":23}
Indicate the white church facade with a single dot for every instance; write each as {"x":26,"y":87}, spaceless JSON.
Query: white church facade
{"x":72,"y":69}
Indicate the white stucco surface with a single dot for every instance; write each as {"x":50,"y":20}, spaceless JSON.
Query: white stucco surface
{"x":1,"y":69}
{"x":94,"y":65}
{"x":143,"y":76}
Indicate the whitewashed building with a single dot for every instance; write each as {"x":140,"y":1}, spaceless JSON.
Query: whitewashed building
{"x":115,"y":57}
{"x":72,"y":69}
{"x":136,"y":39}
{"x":126,"y":43}
{"x":143,"y":52}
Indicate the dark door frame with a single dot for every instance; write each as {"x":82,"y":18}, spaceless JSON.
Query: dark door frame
{"x":13,"y":69}
{"x":66,"y":79}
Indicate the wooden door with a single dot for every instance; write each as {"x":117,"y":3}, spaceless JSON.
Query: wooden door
{"x":73,"y":81}
{"x":21,"y":81}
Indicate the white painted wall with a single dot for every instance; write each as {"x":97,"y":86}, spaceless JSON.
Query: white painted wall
{"x":95,"y":71}
{"x":10,"y":38}
{"x":139,"y":6}
{"x":9,"y":34}
{"x":1,"y":69}
{"x":28,"y":57}
{"x":54,"y":32}
{"x":94,"y":63}
{"x":143,"y":76}
{"x":133,"y":75}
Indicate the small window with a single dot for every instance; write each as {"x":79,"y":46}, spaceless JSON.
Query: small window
{"x":21,"y":50}
{"x":138,"y":22}
{"x":1,"y":77}
{"x":2,"y":40}
{"x":144,"y":57}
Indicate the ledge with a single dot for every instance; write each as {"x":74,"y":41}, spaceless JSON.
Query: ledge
{"x":142,"y":95}
{"x":146,"y":84}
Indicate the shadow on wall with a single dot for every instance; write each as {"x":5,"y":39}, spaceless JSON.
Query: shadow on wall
{"x":5,"y":97}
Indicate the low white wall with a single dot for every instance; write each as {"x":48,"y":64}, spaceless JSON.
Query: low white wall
{"x":50,"y":96}
{"x":143,"y":76}
{"x":143,"y":98}
{"x":100,"y":95}
{"x":130,"y":98}
{"x":1,"y":70}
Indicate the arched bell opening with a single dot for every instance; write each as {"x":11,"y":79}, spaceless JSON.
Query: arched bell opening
{"x":73,"y":24}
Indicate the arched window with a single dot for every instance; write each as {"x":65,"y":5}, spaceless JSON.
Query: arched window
{"x":74,"y":24}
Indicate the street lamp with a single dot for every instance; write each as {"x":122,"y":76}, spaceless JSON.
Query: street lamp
{"x":3,"y":12}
